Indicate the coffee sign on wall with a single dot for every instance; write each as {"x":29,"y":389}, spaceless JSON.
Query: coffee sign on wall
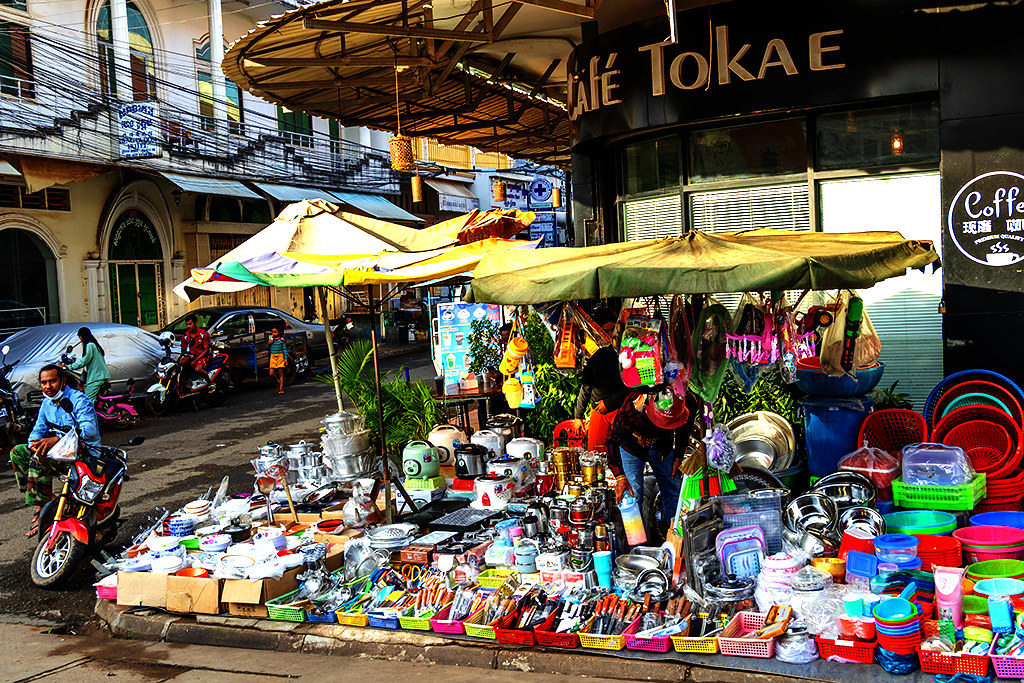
{"x":986,"y":219}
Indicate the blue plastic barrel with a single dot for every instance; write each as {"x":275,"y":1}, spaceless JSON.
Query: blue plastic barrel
{"x":831,"y":426}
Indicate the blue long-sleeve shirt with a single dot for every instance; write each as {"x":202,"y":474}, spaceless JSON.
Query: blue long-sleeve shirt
{"x":82,"y":416}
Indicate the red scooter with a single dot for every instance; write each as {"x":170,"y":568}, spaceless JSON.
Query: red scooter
{"x":84,"y":516}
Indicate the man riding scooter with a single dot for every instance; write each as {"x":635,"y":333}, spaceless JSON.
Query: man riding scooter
{"x":62,"y":409}
{"x":195,"y":351}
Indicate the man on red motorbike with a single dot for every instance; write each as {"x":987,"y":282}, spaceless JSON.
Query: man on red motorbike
{"x":62,"y":409}
{"x":195,"y":349}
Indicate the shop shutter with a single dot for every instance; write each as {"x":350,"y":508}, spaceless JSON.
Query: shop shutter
{"x":903,"y":310}
{"x":652,"y":218}
{"x":782,"y":207}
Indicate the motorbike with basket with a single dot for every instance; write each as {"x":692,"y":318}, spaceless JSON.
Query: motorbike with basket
{"x":15,"y":421}
{"x":114,"y":409}
{"x":84,"y":516}
{"x":209,"y":386}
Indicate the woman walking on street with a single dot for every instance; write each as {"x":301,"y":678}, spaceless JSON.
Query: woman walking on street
{"x":96,"y":372}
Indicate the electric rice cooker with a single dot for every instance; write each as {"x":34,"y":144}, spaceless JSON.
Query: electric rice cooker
{"x":469,"y":460}
{"x":516,"y":469}
{"x":492,"y":492}
{"x":531,"y":450}
{"x":420,"y":460}
{"x":445,"y":439}
{"x":490,"y":440}
{"x":509,"y":426}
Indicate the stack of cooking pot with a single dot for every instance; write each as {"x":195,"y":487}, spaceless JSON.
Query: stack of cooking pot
{"x":305,"y":466}
{"x":348,"y":453}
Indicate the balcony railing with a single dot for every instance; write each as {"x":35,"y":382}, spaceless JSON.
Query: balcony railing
{"x":80,"y":124}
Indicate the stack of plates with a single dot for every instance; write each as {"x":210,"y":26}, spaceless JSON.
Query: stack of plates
{"x":763,"y":439}
{"x":199,"y":508}
{"x":392,"y":536}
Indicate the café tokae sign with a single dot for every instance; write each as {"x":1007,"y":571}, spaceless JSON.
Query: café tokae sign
{"x":598,"y":81}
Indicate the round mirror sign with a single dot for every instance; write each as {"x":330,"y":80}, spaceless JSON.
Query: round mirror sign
{"x":986,"y":219}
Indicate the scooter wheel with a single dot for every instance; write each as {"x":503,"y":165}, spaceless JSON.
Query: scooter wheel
{"x":124,"y":418}
{"x":158,"y":404}
{"x":52,"y":567}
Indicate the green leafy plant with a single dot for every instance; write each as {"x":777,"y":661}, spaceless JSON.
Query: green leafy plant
{"x":485,"y":350}
{"x":890,"y":398}
{"x":542,"y":344}
{"x":410,"y":412}
{"x":557,"y":397}
{"x":770,"y":393}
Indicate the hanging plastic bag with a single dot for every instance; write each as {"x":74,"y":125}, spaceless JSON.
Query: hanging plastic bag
{"x":568,"y":355}
{"x":66,"y":448}
{"x":709,"y":351}
{"x":594,"y":337}
{"x":678,"y":351}
{"x":864,"y":339}
{"x":640,"y":357}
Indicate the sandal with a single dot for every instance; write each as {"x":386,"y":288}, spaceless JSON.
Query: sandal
{"x":34,"y":529}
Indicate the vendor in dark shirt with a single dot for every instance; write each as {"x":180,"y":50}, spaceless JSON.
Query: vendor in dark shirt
{"x":642,"y":434}
{"x":602,"y":391}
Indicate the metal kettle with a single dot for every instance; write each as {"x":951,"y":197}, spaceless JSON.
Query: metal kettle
{"x":469,"y":460}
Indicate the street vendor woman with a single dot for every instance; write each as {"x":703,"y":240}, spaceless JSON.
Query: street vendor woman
{"x":601,"y":390}
{"x":62,"y":409}
{"x":642,"y":434}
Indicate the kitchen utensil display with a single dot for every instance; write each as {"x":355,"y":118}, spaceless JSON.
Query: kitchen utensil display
{"x":421,"y":460}
{"x":446,"y":438}
{"x":469,"y":460}
{"x":490,"y":440}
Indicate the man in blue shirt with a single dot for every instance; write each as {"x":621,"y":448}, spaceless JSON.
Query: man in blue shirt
{"x":62,"y":409}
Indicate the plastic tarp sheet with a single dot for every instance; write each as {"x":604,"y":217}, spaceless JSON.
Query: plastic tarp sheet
{"x":699,"y":263}
{"x":130,"y":352}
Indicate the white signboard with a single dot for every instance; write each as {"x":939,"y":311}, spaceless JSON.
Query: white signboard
{"x":448,"y":202}
{"x":138,"y":130}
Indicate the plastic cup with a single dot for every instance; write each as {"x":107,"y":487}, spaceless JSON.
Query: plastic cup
{"x":603,"y":561}
{"x":854,"y":605}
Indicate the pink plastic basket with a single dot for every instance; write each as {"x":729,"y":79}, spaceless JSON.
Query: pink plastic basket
{"x":634,"y":642}
{"x":440,"y":623}
{"x":1006,"y":667}
{"x":731,"y":642}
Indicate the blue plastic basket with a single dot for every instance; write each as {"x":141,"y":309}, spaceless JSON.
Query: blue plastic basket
{"x":383,"y":622}
{"x":999,"y":518}
{"x":963,"y":376}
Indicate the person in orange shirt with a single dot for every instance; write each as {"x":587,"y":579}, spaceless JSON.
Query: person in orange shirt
{"x":602,"y":391}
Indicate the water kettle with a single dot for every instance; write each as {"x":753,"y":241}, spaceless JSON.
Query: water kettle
{"x":420,"y":460}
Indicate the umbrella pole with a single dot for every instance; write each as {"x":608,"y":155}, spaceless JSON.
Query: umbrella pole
{"x":324,"y":318}
{"x":385,"y":468}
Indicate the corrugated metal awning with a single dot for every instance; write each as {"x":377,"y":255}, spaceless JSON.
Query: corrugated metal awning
{"x":7,"y":169}
{"x":218,"y":186}
{"x":450,"y":188}
{"x":291,"y":193}
{"x":375,"y":206}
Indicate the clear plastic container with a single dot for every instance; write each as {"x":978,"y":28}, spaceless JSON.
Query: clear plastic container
{"x":934,"y":464}
{"x":877,"y":465}
{"x":896,"y":548}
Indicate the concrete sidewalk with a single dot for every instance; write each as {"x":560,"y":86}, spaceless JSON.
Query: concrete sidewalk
{"x":35,"y":655}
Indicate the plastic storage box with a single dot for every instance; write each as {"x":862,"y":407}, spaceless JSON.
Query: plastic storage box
{"x":831,"y":426}
{"x":934,"y":464}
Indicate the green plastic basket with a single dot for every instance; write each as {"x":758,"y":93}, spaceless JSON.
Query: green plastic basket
{"x":995,"y":569}
{"x":494,"y":577}
{"x":277,"y":610}
{"x":476,"y":629}
{"x":963,"y":497}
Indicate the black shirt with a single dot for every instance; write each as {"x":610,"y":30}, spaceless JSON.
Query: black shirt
{"x":601,"y":382}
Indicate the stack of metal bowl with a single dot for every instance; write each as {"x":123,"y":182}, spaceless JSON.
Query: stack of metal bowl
{"x":763,"y":439}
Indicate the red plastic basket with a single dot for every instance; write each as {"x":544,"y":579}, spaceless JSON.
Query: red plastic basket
{"x":985,"y":414}
{"x":891,"y":429}
{"x":1006,"y":667}
{"x":949,"y":664}
{"x":515,"y":636}
{"x":547,"y":637}
{"x":975,"y":386}
{"x":732,"y":642}
{"x":853,"y":650}
{"x":987,"y":444}
{"x":998,"y":504}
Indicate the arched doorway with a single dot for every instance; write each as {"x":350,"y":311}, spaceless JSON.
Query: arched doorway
{"x":135,"y":261}
{"x":28,"y":282}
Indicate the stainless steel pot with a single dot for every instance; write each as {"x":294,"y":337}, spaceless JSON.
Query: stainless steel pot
{"x":338,"y":443}
{"x":345,"y":423}
{"x":351,"y":465}
{"x":811,"y":512}
{"x":469,"y":460}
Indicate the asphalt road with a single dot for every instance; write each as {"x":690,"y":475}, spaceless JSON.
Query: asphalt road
{"x":184,"y":454}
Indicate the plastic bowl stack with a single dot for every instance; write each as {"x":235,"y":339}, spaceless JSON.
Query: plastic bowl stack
{"x":215,"y":543}
{"x":944,"y":551}
{"x":920,"y":523}
{"x":991,"y":542}
{"x":897,"y":626}
{"x":1001,"y":518}
{"x":996,"y":569}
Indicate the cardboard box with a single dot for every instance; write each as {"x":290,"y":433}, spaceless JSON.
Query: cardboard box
{"x":193,"y":595}
{"x":246,"y":598}
{"x":284,"y":517}
{"x":142,"y":589}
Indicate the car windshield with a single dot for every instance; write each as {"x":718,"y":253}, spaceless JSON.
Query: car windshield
{"x":202,"y":318}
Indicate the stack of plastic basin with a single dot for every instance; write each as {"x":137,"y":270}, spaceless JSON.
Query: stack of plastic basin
{"x":991,"y":542}
{"x":996,"y":569}
{"x":920,"y":522}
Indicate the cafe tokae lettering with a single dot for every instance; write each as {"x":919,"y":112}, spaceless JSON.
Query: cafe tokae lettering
{"x":597,"y":83}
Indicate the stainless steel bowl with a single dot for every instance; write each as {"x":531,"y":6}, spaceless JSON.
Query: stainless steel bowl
{"x":865,"y":518}
{"x":812,"y":511}
{"x":756,"y":451}
{"x":634,"y":564}
{"x":847,"y":489}
{"x":814,"y":544}
{"x":770,"y":427}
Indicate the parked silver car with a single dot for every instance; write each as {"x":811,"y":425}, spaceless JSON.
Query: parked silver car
{"x":130,"y":352}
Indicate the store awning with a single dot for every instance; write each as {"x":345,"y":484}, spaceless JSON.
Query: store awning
{"x":515,"y":177}
{"x":218,"y":186}
{"x":376,"y":206}
{"x":7,"y":169}
{"x":291,"y":193}
{"x":450,"y":188}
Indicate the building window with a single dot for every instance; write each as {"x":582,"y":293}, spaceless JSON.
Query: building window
{"x":15,"y":4}
{"x":14,"y":196}
{"x":879,"y":137}
{"x":204,"y":87}
{"x":140,"y":49}
{"x":650,"y":165}
{"x":296,"y":127}
{"x":136,"y":271}
{"x":750,"y":151}
{"x":16,"y":78}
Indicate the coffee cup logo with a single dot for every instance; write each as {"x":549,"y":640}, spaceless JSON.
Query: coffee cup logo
{"x":986,"y":219}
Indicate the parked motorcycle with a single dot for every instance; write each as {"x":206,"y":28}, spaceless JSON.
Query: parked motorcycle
{"x":84,"y":516}
{"x":15,"y":421}
{"x":344,"y":334}
{"x":112,"y":409}
{"x":168,"y":390}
